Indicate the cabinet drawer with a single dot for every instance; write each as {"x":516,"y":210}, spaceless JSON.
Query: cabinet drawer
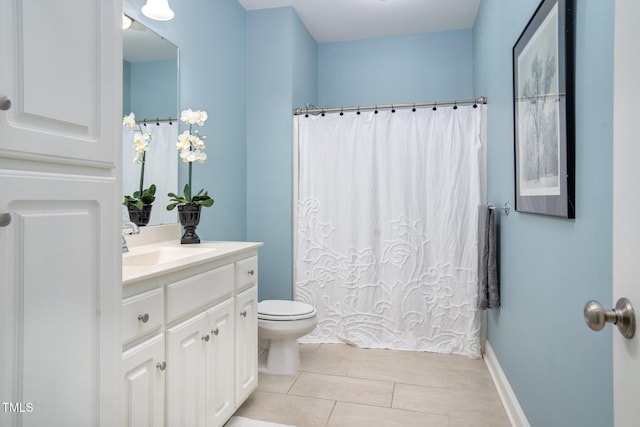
{"x":198,"y":291}
{"x":142,"y":313}
{"x":246,"y":272}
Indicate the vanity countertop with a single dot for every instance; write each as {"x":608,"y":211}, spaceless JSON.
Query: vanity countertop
{"x":150,"y":258}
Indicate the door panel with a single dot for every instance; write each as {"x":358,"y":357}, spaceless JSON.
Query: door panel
{"x":220,"y":361}
{"x":186,"y":372}
{"x":58,"y":63}
{"x":144,"y":384}
{"x":56,"y":329}
{"x":246,"y":343}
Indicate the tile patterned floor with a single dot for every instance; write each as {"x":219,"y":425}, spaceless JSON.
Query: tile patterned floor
{"x":341,"y":385}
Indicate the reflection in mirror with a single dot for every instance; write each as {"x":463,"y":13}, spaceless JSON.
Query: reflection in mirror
{"x":150,"y":91}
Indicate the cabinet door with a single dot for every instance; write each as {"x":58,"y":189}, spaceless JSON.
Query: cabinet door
{"x":220,"y":361}
{"x":61,"y":69}
{"x":60,"y":296}
{"x":187,"y":372}
{"x":246,"y":343}
{"x":143,"y":368}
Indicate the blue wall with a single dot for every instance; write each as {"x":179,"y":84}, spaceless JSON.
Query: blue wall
{"x":560,"y":370}
{"x":282,"y":60}
{"x":403,"y":69}
{"x":126,"y":87}
{"x":152,"y":88}
{"x":212,"y":37}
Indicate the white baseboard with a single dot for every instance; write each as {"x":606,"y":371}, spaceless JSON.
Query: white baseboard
{"x":511,"y":405}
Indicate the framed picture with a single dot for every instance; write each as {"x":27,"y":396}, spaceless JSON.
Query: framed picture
{"x":544,"y":111}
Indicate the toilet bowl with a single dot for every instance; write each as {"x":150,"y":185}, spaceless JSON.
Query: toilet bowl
{"x":280,"y":324}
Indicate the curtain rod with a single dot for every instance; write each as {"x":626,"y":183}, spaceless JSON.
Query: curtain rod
{"x":157,"y":120}
{"x":480,"y":100}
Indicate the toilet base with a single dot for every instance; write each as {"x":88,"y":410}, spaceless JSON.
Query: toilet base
{"x":283,"y":357}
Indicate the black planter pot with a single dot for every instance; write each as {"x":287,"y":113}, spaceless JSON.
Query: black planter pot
{"x":139,"y":217}
{"x":189,"y":218}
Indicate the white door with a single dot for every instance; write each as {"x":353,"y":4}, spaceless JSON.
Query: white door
{"x":60,"y":279}
{"x":626,"y":207}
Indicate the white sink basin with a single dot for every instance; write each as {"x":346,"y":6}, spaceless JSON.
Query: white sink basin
{"x":162,"y":255}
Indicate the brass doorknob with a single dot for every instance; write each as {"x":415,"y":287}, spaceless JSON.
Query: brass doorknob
{"x":623,"y":316}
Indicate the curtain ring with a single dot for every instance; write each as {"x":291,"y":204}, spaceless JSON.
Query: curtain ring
{"x":435,"y":106}
{"x":157,"y":121}
{"x":342,"y":111}
{"x":358,"y":113}
{"x":414,"y":108}
{"x":376,"y":111}
{"x":307,"y":112}
{"x":322,"y":113}
{"x":455,"y":105}
{"x":144,"y":122}
{"x":393,"y":110}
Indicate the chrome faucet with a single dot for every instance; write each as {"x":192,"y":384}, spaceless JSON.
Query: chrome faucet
{"x":130,"y":229}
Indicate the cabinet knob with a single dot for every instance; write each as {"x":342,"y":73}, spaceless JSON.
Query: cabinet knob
{"x":144,"y":318}
{"x":243,"y":313}
{"x":5,"y":219}
{"x":205,"y":338}
{"x":215,"y":331}
{"x":5,"y":103}
{"x":161,"y":365}
{"x":251,"y":272}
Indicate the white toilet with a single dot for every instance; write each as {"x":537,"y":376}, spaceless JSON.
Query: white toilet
{"x":280,"y":324}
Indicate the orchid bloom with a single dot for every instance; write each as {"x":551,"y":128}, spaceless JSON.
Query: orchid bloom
{"x":194,"y":117}
{"x":129,"y":121}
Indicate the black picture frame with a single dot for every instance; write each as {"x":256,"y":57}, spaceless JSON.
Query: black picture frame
{"x":544,"y":111}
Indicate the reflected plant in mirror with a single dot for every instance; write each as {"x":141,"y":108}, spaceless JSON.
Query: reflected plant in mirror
{"x":140,"y":202}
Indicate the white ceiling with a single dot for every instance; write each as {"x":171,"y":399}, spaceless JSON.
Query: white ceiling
{"x":341,"y":20}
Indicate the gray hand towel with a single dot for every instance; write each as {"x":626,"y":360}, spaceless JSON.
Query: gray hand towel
{"x":488,"y":287}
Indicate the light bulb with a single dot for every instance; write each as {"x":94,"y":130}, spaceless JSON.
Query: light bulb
{"x":126,"y":22}
{"x":158,"y":10}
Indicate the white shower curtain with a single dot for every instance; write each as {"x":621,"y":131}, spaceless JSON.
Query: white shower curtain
{"x":386,"y":231}
{"x":161,"y":168}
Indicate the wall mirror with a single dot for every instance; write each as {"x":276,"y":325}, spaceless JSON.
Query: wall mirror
{"x":150,"y":90}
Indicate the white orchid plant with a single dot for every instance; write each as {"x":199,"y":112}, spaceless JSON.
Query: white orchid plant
{"x":191,"y":146}
{"x":141,"y":140}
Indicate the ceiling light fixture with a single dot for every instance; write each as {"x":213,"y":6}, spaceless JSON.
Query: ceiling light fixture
{"x":126,"y":22}
{"x":158,"y":10}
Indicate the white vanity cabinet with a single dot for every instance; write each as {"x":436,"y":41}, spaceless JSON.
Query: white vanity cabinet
{"x":208,"y":335}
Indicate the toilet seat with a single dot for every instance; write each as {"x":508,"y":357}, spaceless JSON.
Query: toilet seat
{"x":284,"y":310}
